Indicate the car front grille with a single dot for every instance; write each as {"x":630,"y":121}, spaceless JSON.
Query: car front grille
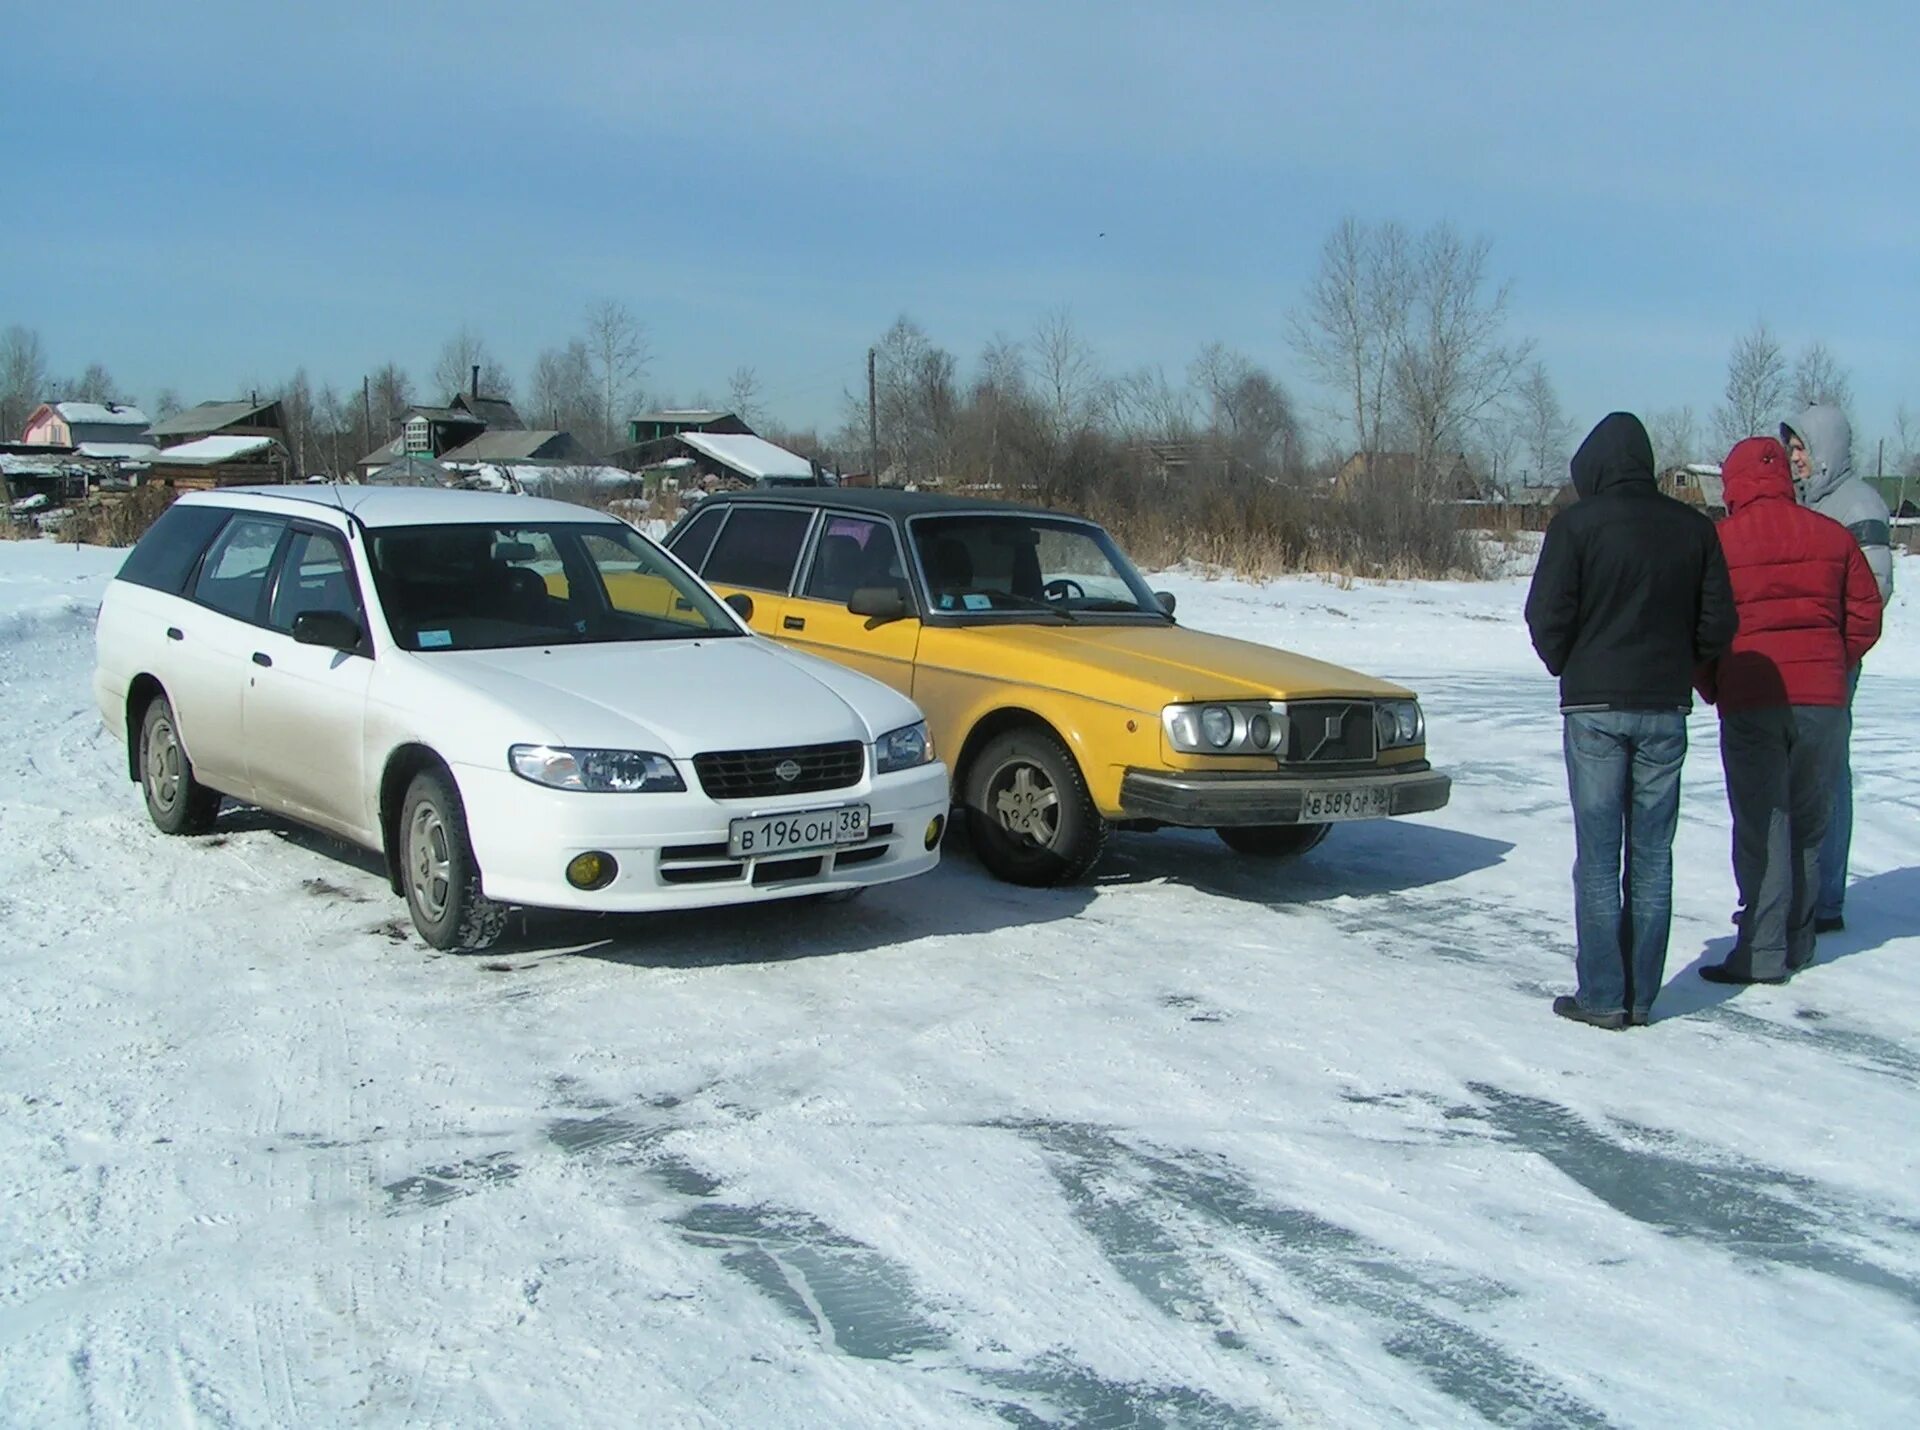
{"x":1329,"y":732}
{"x":757,"y":774}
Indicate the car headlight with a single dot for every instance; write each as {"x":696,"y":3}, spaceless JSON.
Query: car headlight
{"x":597,"y":771}
{"x":902,"y":749}
{"x":1227,"y":727}
{"x":1398,"y":723}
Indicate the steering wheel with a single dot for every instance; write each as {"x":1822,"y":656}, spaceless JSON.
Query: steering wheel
{"x":1063,"y":588}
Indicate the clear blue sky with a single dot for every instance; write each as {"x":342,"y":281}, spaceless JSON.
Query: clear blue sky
{"x":211,"y":194}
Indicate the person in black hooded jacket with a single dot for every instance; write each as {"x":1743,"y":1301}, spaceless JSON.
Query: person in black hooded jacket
{"x":1630,"y":593}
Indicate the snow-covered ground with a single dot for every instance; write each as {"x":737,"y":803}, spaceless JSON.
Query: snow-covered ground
{"x":1203,"y":1143}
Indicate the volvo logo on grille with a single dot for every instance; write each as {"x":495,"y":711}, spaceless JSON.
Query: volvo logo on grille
{"x":788,"y":770}
{"x":1334,"y":725}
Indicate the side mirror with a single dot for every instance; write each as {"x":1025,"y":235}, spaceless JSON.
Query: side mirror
{"x":1167,"y":600}
{"x":334,"y":629}
{"x":878,"y":603}
{"x":742,"y":604}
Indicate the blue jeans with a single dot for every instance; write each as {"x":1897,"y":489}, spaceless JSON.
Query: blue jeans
{"x":1623,"y":772}
{"x":1839,"y":838}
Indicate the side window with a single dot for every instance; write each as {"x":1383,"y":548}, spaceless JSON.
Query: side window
{"x":315,"y":575}
{"x":233,"y":578}
{"x":759,"y":548}
{"x":852,"y":552}
{"x":163,"y":559}
{"x":696,"y":537}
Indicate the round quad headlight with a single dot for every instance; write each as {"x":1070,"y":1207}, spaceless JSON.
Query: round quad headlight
{"x":1260,"y":731}
{"x":1216,"y":723}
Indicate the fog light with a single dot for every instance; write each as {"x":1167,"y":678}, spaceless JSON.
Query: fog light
{"x":592,"y":870}
{"x":935,"y":828}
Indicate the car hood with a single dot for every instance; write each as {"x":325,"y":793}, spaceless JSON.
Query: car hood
{"x":1146,"y":667}
{"x":676,"y":697}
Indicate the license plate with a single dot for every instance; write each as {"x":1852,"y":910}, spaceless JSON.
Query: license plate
{"x":803,"y":829}
{"x":1318,"y":806}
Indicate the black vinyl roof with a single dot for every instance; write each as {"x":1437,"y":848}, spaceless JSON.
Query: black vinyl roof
{"x":875,"y":501}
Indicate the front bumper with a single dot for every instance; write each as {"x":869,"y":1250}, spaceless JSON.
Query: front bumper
{"x":672,"y":848}
{"x":1209,"y":801}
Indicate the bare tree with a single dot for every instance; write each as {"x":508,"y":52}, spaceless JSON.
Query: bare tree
{"x":1818,"y":377}
{"x":1757,"y":390}
{"x":617,"y":350}
{"x":563,"y":393}
{"x":743,"y":394}
{"x":23,"y":379}
{"x":1067,"y":387}
{"x":1249,"y":413}
{"x":999,"y":395}
{"x":1545,"y":433}
{"x":1675,"y":436}
{"x":392,"y":395}
{"x":1453,"y":363}
{"x":295,"y":397}
{"x":459,"y":356}
{"x":1351,"y":328}
{"x":1143,"y":406}
{"x":166,"y":402}
{"x":96,"y":384}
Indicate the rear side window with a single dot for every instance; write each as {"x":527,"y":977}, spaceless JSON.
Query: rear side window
{"x":163,"y":559}
{"x":695,"y":539}
{"x":233,"y":578}
{"x":759,"y":548}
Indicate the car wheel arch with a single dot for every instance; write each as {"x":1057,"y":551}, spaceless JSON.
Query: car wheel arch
{"x":142,"y":691}
{"x":996,"y":723}
{"x":403,"y":763}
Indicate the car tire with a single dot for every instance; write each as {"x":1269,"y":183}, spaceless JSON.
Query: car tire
{"x":176,"y":802}
{"x":1272,"y":841}
{"x":1029,"y":815}
{"x":438,"y":872}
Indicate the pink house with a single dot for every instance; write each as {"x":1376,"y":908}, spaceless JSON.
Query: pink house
{"x":70,"y":424}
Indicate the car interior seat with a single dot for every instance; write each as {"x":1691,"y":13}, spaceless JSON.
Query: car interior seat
{"x":840,"y":569}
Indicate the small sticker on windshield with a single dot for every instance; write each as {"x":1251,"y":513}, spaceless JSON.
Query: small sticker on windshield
{"x":431,"y":639}
{"x":975,"y":602}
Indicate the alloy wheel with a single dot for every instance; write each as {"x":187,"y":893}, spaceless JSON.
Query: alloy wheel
{"x":1025,"y":802}
{"x":430,"y":861}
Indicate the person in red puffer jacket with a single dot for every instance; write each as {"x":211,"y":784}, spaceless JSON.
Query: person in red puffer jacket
{"x":1809,"y":610}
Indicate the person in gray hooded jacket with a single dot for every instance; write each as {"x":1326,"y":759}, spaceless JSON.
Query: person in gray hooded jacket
{"x":1819,"y":445}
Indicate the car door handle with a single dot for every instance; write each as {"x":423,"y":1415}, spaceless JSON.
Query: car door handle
{"x":174,"y":633}
{"x":793,"y":623}
{"x":260,"y":657}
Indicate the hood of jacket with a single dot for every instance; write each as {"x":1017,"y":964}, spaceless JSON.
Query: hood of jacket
{"x":1829,"y":438}
{"x":1756,"y":470}
{"x":1617,"y":451}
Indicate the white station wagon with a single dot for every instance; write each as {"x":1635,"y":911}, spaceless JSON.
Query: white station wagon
{"x":515,"y":701}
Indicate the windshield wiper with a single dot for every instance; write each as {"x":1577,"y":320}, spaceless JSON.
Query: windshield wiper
{"x":1038,"y":604}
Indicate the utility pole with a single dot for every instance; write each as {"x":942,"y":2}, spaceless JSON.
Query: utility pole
{"x":873,"y":421}
{"x":366,"y":414}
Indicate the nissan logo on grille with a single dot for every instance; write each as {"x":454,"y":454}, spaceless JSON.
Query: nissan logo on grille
{"x":788,"y":771}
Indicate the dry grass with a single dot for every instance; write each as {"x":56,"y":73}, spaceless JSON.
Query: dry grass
{"x":1257,"y":530}
{"x":116,"y":518}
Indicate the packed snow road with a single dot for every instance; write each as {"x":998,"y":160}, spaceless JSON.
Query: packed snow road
{"x":1202,"y":1143}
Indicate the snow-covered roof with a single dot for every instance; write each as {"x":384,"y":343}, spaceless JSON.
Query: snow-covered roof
{"x":754,"y":457}
{"x":119,"y":451}
{"x":214,"y":449}
{"x":95,"y":414}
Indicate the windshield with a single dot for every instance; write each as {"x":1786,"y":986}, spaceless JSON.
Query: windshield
{"x":563,"y":583}
{"x":1026,"y":565}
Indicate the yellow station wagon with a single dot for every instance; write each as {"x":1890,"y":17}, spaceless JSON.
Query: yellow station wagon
{"x":1057,"y":686}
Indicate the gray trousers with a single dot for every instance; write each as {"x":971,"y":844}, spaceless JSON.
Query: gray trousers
{"x":1780,"y":765}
